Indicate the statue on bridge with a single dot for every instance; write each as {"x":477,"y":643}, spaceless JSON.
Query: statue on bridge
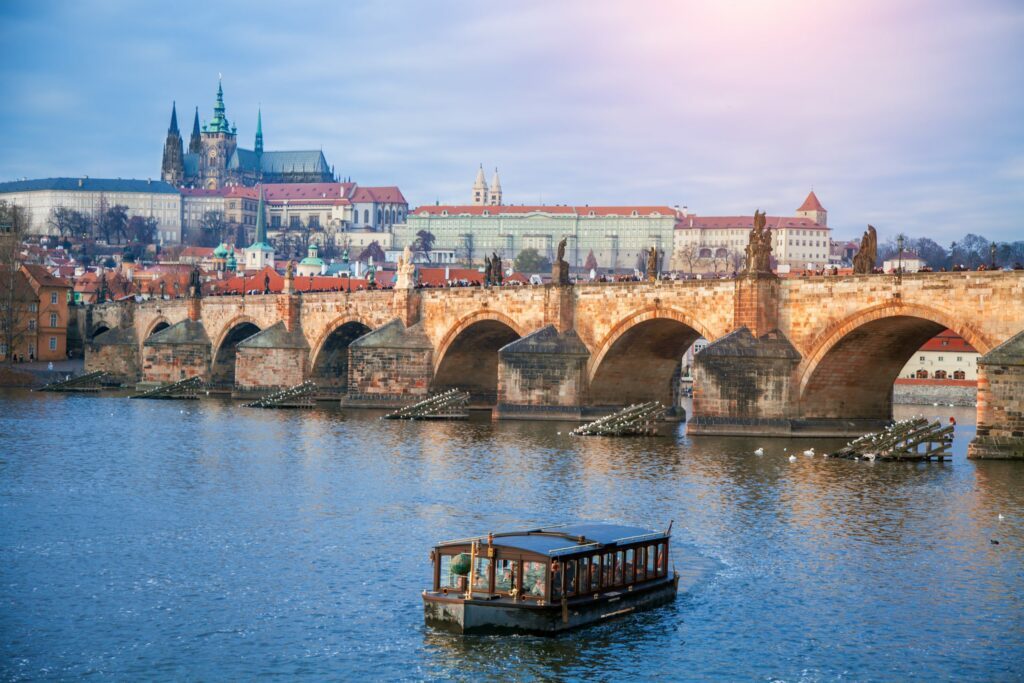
{"x":759,"y":245}
{"x":652,"y":263}
{"x":864,"y":260}
{"x":497,"y":276}
{"x":289,"y":270}
{"x":560,"y":269}
{"x":488,"y":270}
{"x":406,"y":270}
{"x":163,"y":289}
{"x":195,"y":284}
{"x":266,"y":283}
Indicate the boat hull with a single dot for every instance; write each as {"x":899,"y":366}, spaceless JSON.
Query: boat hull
{"x":484,"y":616}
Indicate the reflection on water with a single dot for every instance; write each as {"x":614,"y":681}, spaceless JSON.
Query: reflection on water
{"x":205,"y":540}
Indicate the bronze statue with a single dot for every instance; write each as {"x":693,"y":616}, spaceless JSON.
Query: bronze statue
{"x":195,"y":283}
{"x":652,"y":263}
{"x":759,"y":245}
{"x":289,"y":271}
{"x":499,"y":276}
{"x":488,"y":268}
{"x":266,"y":283}
{"x":163,"y":289}
{"x":561,"y":252}
{"x":864,"y":260}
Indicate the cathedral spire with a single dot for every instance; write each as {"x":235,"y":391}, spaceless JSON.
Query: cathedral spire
{"x":195,"y":143}
{"x":261,"y":221}
{"x":219,"y":124}
{"x":259,"y":132}
{"x":173,"y":129}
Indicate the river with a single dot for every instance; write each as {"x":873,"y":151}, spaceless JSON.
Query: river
{"x":200,"y":540}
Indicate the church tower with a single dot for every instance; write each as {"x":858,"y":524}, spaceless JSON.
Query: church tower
{"x":195,"y":143}
{"x":494,"y":195}
{"x":480,"y":188}
{"x":219,"y":142}
{"x":172,"y":169}
{"x":258,"y":146}
{"x":260,"y":254}
{"x":812,"y":208}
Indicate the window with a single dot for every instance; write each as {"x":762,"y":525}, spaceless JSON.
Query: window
{"x":922,"y":359}
{"x":53,"y":343}
{"x":641,"y":563}
{"x":940,"y":374}
{"x":293,"y":222}
{"x":32,"y":325}
{"x":629,"y":573}
{"x":662,"y":559}
{"x":582,"y":575}
{"x":275,"y":221}
{"x":607,"y":577}
{"x":33,"y":307}
{"x":53,"y":298}
{"x":959,"y":358}
{"x":595,"y":572}
{"x":959,"y":374}
{"x":505,"y":572}
{"x":922,"y":374}
{"x":366,"y":215}
{"x":940,"y":359}
{"x":619,"y":564}
{"x":314,"y":220}
{"x":481,"y":574}
{"x":53,"y":320}
{"x":534,"y":576}
{"x":448,"y":578}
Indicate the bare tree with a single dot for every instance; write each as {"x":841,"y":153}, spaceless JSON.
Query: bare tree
{"x":736,"y":259}
{"x":688,"y":254}
{"x":15,"y":299}
{"x":68,"y":222}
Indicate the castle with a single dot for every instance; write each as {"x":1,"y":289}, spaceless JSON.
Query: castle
{"x":214,"y":160}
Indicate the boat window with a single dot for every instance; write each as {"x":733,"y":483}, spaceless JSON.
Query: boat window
{"x":595,"y":572}
{"x":481,"y":580}
{"x":618,"y":568}
{"x":505,"y":572}
{"x":534,"y":574}
{"x":630,"y":564}
{"x":652,"y":556}
{"x":662,"y":560}
{"x":556,"y":579}
{"x":608,"y":579}
{"x":448,"y":578}
{"x":641,"y":563}
{"x":582,"y":577}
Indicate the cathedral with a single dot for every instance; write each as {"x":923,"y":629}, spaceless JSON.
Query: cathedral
{"x":214,"y":160}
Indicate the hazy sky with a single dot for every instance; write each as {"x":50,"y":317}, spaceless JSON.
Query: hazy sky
{"x":905,"y":114}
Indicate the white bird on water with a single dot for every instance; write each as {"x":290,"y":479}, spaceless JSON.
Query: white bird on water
{"x":792,"y":458}
{"x":1001,"y":516}
{"x":759,"y":451}
{"x":809,"y":452}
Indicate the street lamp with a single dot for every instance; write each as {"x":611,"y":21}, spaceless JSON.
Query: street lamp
{"x":899,"y":245}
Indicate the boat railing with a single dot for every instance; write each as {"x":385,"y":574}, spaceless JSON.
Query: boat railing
{"x":642,"y":537}
{"x":573,"y":548}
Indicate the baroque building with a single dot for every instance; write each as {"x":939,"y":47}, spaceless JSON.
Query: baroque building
{"x":214,"y":160}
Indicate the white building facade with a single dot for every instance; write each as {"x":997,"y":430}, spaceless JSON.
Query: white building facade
{"x":90,"y":196}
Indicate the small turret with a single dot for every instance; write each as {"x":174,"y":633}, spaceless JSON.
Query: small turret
{"x":812,"y":208}
{"x":494,"y":196}
{"x":480,"y":188}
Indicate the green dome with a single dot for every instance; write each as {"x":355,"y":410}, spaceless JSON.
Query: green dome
{"x":460,"y":564}
{"x":221,"y":251}
{"x":311,"y":261}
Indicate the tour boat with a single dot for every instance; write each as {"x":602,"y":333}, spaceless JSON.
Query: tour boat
{"x":549,"y":579}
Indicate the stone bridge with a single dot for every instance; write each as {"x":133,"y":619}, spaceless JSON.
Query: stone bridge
{"x":812,"y":356}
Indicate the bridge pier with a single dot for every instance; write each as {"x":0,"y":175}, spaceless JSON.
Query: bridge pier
{"x":1000,"y":432}
{"x":271,"y":359}
{"x":389,"y":366}
{"x":115,"y":352}
{"x":543,"y":376}
{"x":179,"y":352}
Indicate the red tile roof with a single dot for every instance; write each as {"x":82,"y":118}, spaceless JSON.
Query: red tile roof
{"x":303,"y":283}
{"x":811,"y":203}
{"x":40,"y":276}
{"x":948,"y":340}
{"x":511,"y":209}
{"x":380,"y":195}
{"x":745,"y":222}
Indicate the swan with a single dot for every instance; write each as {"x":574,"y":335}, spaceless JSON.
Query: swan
{"x":809,"y":452}
{"x":792,"y":458}
{"x":759,"y":451}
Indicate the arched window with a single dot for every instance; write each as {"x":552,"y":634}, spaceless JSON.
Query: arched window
{"x":940,"y":374}
{"x":959,"y":374}
{"x":380,"y":216}
{"x":366,"y":215}
{"x":721,"y":252}
{"x":922,"y":374}
{"x":705,"y":253}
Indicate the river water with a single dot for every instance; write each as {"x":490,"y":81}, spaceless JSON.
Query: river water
{"x":202,"y":540}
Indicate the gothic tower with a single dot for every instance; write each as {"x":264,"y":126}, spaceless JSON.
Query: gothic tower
{"x":480,"y":188}
{"x":258,"y":146}
{"x":195,"y":143}
{"x":172,"y":169}
{"x":219,"y":142}
{"x":494,"y":195}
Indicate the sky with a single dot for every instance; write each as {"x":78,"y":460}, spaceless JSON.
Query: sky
{"x":905,"y":114}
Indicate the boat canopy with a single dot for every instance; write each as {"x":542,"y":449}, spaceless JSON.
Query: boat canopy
{"x":566,"y":539}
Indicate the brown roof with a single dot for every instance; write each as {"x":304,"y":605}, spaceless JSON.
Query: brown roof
{"x":507,"y":209}
{"x":40,"y":276}
{"x":378,"y":194}
{"x":745,"y":222}
{"x":811,"y":203}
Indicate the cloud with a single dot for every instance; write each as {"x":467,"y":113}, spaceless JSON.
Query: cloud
{"x":905,"y":113}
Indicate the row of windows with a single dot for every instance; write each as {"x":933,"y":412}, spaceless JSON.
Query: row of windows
{"x":941,"y":358}
{"x":31,"y":347}
{"x":576,"y":576}
{"x":940,"y":374}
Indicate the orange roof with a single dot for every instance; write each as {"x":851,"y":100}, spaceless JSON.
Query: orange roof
{"x":811,"y":203}
{"x":40,"y":276}
{"x":745,"y":222}
{"x":948,"y":340}
{"x":378,"y":194}
{"x":455,"y":210}
{"x":303,"y":283}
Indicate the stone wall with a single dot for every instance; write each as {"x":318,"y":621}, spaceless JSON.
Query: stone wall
{"x":119,"y":361}
{"x":1001,"y":402}
{"x":168,"y":363}
{"x":542,"y":376}
{"x":389,"y":366}
{"x":930,"y":392}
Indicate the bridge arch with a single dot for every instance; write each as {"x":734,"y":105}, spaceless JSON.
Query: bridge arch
{"x":467,"y":357}
{"x":222,"y":362}
{"x":157,"y":325}
{"x":328,"y":365}
{"x":851,"y":367}
{"x":637,"y":360}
